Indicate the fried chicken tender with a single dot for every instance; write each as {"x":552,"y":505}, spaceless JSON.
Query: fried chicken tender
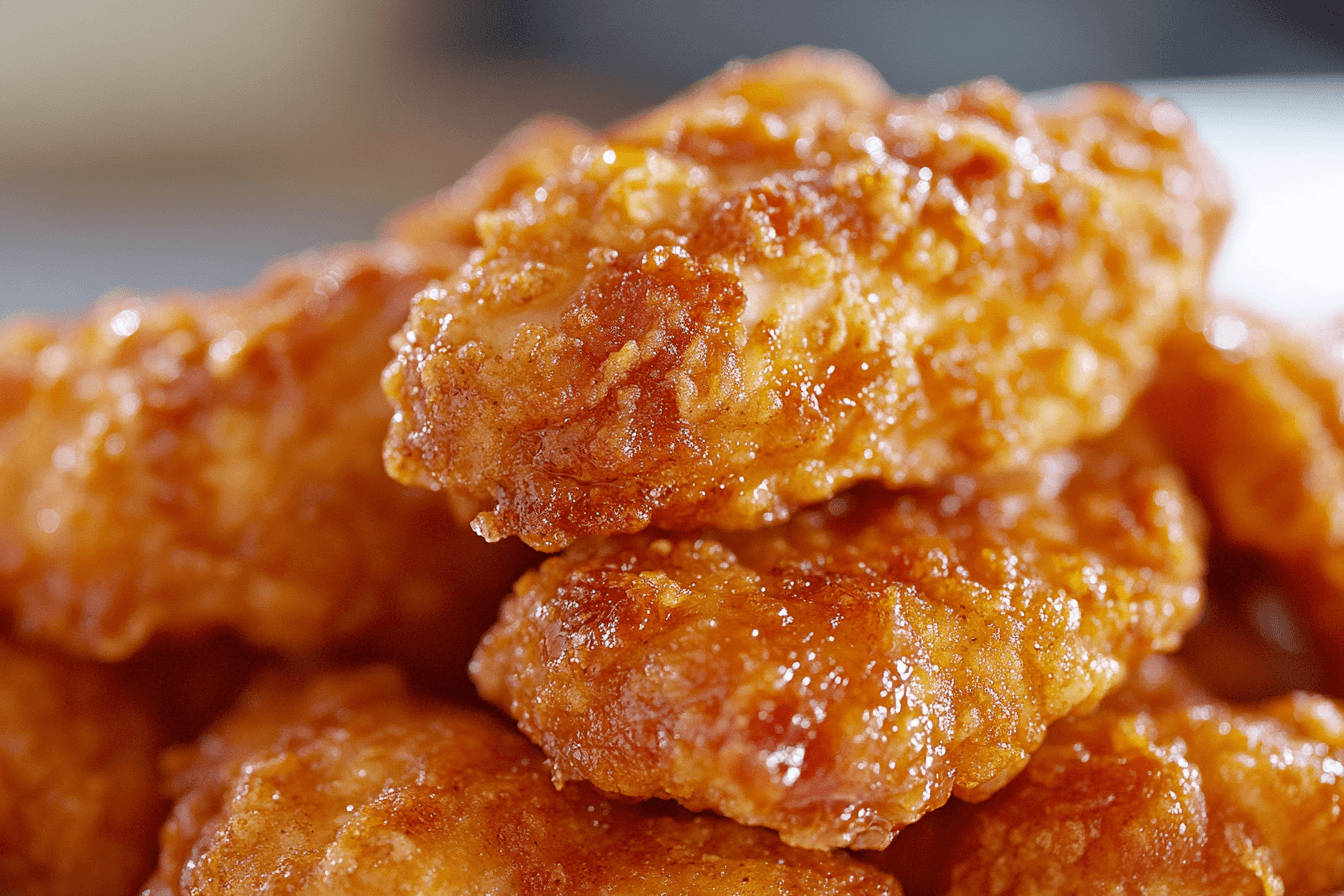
{"x":177,"y":465}
{"x":785,"y":282}
{"x":1255,"y":416}
{"x":79,"y":809}
{"x":1165,"y":790}
{"x":345,"y":784}
{"x":839,"y":677}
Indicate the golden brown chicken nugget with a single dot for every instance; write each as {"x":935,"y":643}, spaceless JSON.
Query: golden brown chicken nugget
{"x":345,"y":784}
{"x":1256,"y":417}
{"x":837,"y":678}
{"x":79,"y":807}
{"x":179,"y":464}
{"x":1165,"y":790}
{"x":786,"y":281}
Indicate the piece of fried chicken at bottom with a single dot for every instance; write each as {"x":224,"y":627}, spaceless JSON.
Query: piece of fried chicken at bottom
{"x":347,"y":784}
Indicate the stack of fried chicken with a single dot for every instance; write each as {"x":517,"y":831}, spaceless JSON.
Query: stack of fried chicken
{"x":883,"y":448}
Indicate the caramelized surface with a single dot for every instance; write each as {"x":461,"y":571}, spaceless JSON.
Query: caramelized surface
{"x":1256,"y":417}
{"x":344,"y":784}
{"x":836,"y":678}
{"x":1165,"y":790}
{"x":78,"y":806}
{"x":177,"y":465}
{"x":786,"y":281}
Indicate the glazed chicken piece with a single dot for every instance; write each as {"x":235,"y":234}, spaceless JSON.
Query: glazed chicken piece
{"x":786,"y":281}
{"x":1165,"y":790}
{"x":79,"y":808}
{"x":1256,"y":417}
{"x":346,"y":784}
{"x":177,"y":465}
{"x":837,"y":678}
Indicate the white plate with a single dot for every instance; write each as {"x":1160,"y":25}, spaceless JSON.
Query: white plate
{"x":1282,"y":143}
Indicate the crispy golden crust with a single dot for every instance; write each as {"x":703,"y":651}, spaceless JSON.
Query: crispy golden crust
{"x":180,"y":464}
{"x":1256,"y":417}
{"x":1163,"y":791}
{"x":78,"y":806}
{"x":787,"y":281}
{"x":346,"y":785}
{"x":837,"y":678}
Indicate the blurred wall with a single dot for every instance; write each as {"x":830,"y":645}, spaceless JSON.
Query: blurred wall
{"x":178,"y":144}
{"x":922,"y":46}
{"x":89,"y":81}
{"x":154,"y":144}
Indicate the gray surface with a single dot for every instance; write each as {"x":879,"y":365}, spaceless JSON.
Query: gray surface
{"x":65,"y":241}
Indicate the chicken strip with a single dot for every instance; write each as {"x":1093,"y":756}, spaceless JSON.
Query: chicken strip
{"x":177,"y":465}
{"x":1165,"y":790}
{"x":1254,"y":415}
{"x":839,"y":677}
{"x":79,"y":809}
{"x":785,"y":282}
{"x":345,"y":784}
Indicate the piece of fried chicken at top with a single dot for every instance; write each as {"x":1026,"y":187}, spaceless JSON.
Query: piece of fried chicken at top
{"x":786,"y":281}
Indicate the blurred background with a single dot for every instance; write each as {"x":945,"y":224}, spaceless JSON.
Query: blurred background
{"x":159,"y":144}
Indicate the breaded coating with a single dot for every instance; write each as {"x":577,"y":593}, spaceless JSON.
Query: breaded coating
{"x":79,"y":808}
{"x":837,"y":678}
{"x":786,"y":281}
{"x":181,"y":464}
{"x":1165,"y":790}
{"x":1256,"y":417}
{"x":345,"y":784}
